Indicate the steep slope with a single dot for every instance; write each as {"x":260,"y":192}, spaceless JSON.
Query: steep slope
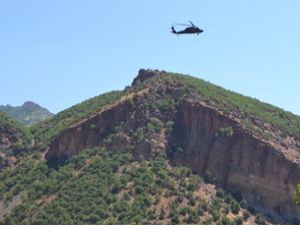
{"x":13,"y":139}
{"x":45,"y":131}
{"x":28,"y":114}
{"x":244,"y":145}
{"x":101,"y":187}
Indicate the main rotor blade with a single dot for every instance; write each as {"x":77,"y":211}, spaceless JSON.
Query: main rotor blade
{"x":192,"y":23}
{"x":182,"y":24}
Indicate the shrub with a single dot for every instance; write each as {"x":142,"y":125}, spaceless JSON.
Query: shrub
{"x":246,"y":216}
{"x":225,"y":132}
{"x":260,"y":220}
{"x":244,"y":204}
{"x":235,"y":207}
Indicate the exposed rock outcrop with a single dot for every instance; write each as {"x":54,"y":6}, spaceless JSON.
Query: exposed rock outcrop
{"x":88,"y":133}
{"x":144,"y":75}
{"x":8,"y":137}
{"x":120,"y":119}
{"x":259,"y":169}
{"x":264,"y":170}
{"x":9,"y":140}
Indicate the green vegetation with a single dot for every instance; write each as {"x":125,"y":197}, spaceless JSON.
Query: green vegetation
{"x":297,"y":195}
{"x":154,"y":126}
{"x":27,"y":114}
{"x":45,"y":131}
{"x":225,"y":132}
{"x":260,"y":220}
{"x":14,"y":180}
{"x":246,"y":108}
{"x":101,"y":187}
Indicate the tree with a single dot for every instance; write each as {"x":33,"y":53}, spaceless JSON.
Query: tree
{"x":235,"y":208}
{"x":260,"y":220}
{"x":297,"y":195}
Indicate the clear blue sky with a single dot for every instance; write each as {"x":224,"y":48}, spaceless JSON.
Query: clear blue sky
{"x":61,"y":52}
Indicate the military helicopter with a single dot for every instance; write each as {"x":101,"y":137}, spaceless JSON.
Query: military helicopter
{"x":191,"y":29}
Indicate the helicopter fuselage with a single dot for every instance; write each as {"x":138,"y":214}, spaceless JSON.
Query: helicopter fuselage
{"x":188,"y":30}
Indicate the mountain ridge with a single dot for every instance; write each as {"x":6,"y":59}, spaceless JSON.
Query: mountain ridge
{"x":28,"y":114}
{"x":221,"y":130}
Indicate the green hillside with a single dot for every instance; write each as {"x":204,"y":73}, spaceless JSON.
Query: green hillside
{"x":47,"y":130}
{"x":101,"y":187}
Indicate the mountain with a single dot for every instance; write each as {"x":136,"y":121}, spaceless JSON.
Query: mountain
{"x":137,"y":157}
{"x":28,"y":114}
{"x":102,"y":187}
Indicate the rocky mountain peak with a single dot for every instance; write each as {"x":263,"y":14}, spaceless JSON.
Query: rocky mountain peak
{"x":145,"y":74}
{"x":32,"y":105}
{"x":28,"y":114}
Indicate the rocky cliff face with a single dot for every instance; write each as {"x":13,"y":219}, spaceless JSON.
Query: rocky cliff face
{"x":115,"y":128}
{"x":9,"y":139}
{"x":264,"y":170}
{"x":261,"y":170}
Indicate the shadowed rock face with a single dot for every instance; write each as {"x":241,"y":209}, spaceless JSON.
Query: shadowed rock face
{"x":263,"y":171}
{"x":9,"y":138}
{"x":89,"y":133}
{"x":144,"y":75}
{"x":238,"y":161}
{"x":119,"y":119}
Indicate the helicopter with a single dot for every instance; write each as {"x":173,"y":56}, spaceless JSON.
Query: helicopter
{"x":191,"y":29}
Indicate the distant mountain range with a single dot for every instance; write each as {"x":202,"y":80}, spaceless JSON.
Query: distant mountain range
{"x":28,"y":114}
